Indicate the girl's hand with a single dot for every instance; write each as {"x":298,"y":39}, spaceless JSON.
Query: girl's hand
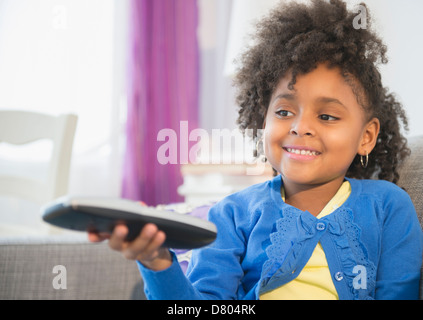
{"x":146,"y":248}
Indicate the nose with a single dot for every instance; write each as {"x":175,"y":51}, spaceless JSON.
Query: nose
{"x":302,"y":126}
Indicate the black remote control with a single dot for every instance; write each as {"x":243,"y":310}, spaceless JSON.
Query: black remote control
{"x":102,"y":215}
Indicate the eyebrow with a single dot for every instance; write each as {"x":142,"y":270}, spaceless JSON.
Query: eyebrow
{"x":287,"y":96}
{"x":323,"y":100}
{"x":330,"y":100}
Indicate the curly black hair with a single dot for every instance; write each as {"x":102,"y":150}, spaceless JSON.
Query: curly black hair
{"x":294,"y":39}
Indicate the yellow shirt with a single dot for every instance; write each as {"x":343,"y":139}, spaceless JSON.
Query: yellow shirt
{"x":314,"y":281}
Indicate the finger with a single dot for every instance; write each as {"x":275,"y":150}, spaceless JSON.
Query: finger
{"x":152,"y":251}
{"x":117,"y":239}
{"x":155,"y":244}
{"x":93,"y":237}
{"x":97,"y":237}
{"x":145,"y":241}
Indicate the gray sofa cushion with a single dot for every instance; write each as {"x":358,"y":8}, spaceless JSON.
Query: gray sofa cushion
{"x":93,"y":271}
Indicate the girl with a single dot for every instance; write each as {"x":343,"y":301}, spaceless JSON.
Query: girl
{"x":320,"y":229}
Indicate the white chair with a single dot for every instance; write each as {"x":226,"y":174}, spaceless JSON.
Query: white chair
{"x":23,"y":127}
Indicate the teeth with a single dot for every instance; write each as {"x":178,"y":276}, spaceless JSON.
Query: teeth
{"x":302,"y":152}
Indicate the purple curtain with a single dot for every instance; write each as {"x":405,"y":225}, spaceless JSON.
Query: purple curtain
{"x":163,"y":91}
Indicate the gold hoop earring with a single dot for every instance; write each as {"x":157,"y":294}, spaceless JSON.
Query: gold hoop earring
{"x":364,"y":160}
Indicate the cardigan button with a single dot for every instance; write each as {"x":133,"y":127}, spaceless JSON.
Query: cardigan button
{"x":339,"y":276}
{"x":320,"y":226}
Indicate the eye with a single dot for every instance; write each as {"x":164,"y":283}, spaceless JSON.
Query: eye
{"x":326,"y":117}
{"x":284,"y":113}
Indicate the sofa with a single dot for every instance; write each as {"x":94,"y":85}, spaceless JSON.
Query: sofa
{"x":32,"y":268}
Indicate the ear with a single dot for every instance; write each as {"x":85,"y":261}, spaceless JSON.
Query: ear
{"x":369,"y":138}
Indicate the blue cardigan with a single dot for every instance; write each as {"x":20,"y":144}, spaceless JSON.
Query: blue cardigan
{"x":373,"y":245}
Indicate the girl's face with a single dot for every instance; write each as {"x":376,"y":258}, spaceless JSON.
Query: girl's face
{"x":313,"y":133}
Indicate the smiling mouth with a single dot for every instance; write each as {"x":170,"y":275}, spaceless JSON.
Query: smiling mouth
{"x":302,"y":152}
